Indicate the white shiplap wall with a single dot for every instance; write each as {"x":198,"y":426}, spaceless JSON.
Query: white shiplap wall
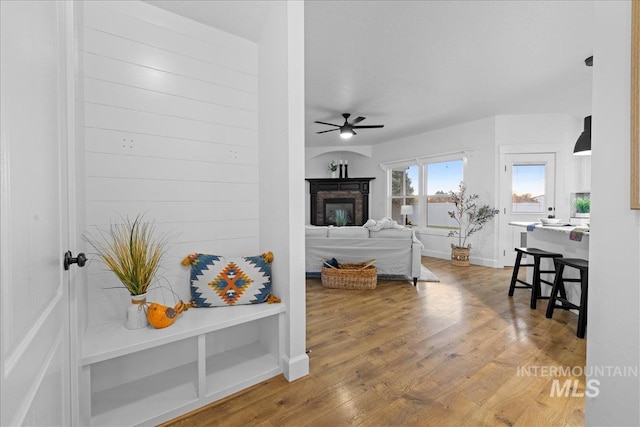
{"x":171,"y":129}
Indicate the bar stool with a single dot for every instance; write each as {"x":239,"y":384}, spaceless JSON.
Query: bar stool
{"x":537,"y":255}
{"x":558,"y":286}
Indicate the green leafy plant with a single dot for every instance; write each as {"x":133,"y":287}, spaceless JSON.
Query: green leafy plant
{"x":583,"y":205}
{"x":333,"y":166}
{"x":131,"y":251}
{"x":470,"y":216}
{"x":341,"y":218}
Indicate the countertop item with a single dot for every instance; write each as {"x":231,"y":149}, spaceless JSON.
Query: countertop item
{"x":561,"y":228}
{"x":551,"y":221}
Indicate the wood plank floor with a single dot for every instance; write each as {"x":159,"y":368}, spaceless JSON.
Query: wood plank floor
{"x":441,"y":354}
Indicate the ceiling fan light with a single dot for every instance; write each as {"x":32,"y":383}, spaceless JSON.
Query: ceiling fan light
{"x":346,"y":133}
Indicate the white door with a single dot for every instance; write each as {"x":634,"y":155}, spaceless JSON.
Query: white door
{"x":527,"y":194}
{"x":34,"y":304}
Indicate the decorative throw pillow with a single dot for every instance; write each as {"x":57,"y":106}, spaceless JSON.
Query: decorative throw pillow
{"x":332,"y":263}
{"x":217,"y":281}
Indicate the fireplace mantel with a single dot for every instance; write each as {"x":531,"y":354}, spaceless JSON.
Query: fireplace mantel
{"x":325,"y":188}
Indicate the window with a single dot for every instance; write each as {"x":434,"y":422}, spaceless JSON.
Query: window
{"x":404,"y":191}
{"x":425,"y":187}
{"x":441,"y":178}
{"x":527,"y":188}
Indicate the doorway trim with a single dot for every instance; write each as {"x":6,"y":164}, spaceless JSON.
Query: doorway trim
{"x":503,"y":150}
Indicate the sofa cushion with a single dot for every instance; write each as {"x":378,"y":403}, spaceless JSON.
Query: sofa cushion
{"x":348,"y":232}
{"x":392,"y":233}
{"x":313,"y":231}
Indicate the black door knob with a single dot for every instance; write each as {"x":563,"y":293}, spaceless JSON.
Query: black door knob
{"x":81,"y":260}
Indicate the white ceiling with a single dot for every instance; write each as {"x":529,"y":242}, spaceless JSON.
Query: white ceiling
{"x":240,"y":17}
{"x":416,"y":66}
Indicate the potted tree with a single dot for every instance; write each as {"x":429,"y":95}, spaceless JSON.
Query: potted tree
{"x":471,"y":218}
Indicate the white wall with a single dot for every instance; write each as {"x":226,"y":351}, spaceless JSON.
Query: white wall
{"x":171,"y":130}
{"x":477,"y":140}
{"x":613,"y":330}
{"x":317,"y":167}
{"x":557,"y":132}
{"x":281,"y":64}
{"x":481,"y":141}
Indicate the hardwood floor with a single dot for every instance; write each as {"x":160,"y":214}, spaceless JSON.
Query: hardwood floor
{"x":441,"y":354}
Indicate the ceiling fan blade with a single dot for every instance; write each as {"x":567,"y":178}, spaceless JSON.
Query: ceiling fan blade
{"x":368,"y":127}
{"x":358,"y":120}
{"x":325,"y":123}
{"x":325,"y":131}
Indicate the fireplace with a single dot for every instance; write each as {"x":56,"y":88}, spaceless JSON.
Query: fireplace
{"x":330,"y":194}
{"x":331,"y":206}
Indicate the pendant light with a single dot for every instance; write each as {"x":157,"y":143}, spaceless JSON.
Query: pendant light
{"x":583,"y":144}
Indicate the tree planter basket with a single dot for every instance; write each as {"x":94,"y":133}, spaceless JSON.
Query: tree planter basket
{"x":460,"y":257}
{"x":362,"y":275}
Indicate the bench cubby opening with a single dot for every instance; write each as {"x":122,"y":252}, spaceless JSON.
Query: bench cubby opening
{"x":153,"y":375}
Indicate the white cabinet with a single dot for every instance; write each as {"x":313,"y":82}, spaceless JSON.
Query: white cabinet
{"x":148,"y":376}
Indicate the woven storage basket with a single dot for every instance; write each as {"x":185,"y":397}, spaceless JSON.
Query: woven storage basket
{"x":362,"y":275}
{"x":460,"y":257}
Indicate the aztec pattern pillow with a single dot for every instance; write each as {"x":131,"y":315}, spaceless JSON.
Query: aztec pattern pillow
{"x":217,"y":281}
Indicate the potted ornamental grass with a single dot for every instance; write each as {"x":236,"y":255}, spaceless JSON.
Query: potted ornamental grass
{"x":133,"y":252}
{"x":341,"y":217}
{"x":471,"y":218}
{"x":582,"y":206}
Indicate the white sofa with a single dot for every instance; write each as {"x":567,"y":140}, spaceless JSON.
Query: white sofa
{"x":397,"y":250}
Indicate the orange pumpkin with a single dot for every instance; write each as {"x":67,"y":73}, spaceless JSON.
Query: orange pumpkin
{"x":161,"y":316}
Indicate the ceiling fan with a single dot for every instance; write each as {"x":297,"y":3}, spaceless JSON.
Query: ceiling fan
{"x":347,"y":129}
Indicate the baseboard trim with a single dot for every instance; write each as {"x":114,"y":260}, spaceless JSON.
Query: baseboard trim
{"x":295,"y":368}
{"x":436,"y":254}
{"x":492,"y":263}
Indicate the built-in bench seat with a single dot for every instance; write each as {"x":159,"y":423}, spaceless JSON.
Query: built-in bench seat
{"x":148,"y":376}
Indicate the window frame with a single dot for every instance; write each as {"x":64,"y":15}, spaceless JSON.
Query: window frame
{"x":420,"y":221}
{"x":391,"y":197}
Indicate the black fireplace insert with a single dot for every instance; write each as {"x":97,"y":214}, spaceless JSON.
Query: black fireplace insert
{"x":331,"y":206}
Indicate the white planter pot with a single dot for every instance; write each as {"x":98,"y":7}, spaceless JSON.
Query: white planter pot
{"x":137,"y":312}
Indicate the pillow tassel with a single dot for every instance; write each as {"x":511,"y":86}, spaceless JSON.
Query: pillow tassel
{"x":272,"y":299}
{"x":189,"y":260}
{"x":268,"y":256}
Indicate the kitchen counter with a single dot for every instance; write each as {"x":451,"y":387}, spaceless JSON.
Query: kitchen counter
{"x":567,"y":229}
{"x":558,"y":239}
